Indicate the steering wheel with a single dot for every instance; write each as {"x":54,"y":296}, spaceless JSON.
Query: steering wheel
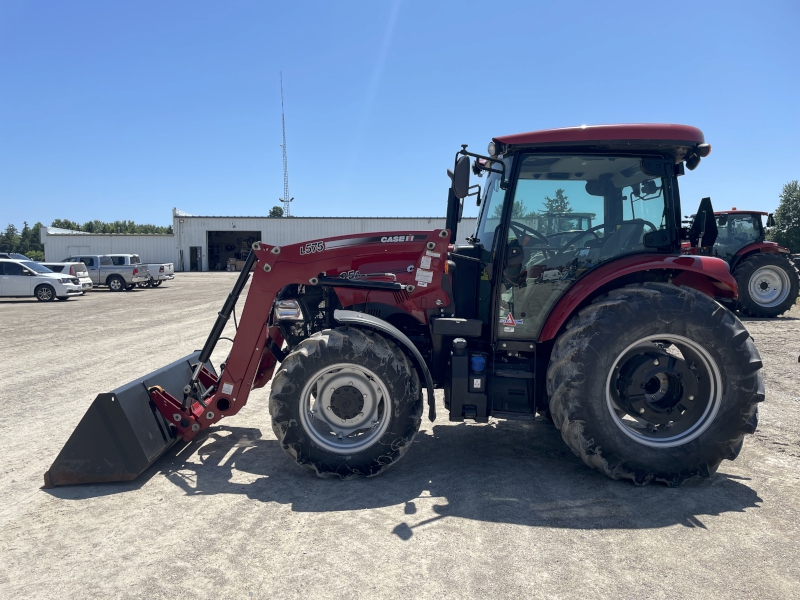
{"x":578,"y":236}
{"x":520,"y":228}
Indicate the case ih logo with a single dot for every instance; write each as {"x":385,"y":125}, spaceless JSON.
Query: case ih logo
{"x":397,"y":238}
{"x":312,"y":247}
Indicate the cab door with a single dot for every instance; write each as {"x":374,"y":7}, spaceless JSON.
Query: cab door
{"x":15,"y":280}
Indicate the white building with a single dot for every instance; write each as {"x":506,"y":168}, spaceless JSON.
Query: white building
{"x":203,"y":243}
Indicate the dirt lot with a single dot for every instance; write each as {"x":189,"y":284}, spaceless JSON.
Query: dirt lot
{"x":497,"y":510}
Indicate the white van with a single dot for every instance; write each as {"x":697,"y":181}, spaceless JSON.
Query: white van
{"x":22,"y":278}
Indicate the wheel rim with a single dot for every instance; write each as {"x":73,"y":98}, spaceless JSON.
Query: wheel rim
{"x":769,"y":286}
{"x":115,"y":285}
{"x":664,"y":390}
{"x":345,"y":408}
{"x":45,"y":293}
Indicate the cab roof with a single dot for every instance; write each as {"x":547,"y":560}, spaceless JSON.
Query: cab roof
{"x":639,"y":134}
{"x":741,"y":212}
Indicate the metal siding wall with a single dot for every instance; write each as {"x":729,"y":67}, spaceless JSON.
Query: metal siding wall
{"x":150,"y":248}
{"x":193,"y":232}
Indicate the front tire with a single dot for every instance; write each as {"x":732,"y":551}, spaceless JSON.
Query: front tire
{"x":768,"y":285}
{"x":45,"y":293}
{"x":346,"y":402}
{"x":655,"y":383}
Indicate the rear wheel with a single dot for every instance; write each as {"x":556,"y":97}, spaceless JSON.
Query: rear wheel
{"x":655,"y":382}
{"x":768,"y":285}
{"x":116,"y":283}
{"x":346,"y":402}
{"x":155,"y":284}
{"x":45,"y":293}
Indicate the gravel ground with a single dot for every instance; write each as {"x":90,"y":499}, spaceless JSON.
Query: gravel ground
{"x":501,"y":510}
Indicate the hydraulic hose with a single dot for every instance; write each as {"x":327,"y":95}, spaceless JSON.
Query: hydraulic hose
{"x":225,"y":313}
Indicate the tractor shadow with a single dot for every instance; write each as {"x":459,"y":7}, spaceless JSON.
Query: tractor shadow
{"x":517,"y":472}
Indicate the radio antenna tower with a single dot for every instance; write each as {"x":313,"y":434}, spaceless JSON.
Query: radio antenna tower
{"x":286,"y":199}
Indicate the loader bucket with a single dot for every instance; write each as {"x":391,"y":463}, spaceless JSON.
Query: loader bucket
{"x":123,"y":432}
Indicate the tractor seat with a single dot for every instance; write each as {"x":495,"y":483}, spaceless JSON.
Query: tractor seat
{"x":627,"y":236}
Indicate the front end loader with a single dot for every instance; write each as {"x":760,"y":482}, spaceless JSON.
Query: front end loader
{"x":593,"y":319}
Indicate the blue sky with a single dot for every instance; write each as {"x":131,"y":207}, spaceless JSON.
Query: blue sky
{"x":122,"y":110}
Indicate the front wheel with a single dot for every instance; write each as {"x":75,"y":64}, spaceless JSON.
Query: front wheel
{"x":768,"y":285}
{"x":655,"y":382}
{"x":346,"y":402}
{"x":45,"y":293}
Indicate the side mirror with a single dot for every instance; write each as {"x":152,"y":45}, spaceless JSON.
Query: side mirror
{"x":461,"y":177}
{"x":770,"y":220}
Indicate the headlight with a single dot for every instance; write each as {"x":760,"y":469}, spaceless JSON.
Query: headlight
{"x":63,"y":281}
{"x":492,"y":149}
{"x":288,"y":310}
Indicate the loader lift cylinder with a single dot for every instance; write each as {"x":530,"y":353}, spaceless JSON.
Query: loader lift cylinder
{"x":224,"y":314}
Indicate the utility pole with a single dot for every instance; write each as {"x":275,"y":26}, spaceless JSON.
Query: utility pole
{"x":286,"y":199}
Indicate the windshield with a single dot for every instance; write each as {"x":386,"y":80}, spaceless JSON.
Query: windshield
{"x":33,"y":266}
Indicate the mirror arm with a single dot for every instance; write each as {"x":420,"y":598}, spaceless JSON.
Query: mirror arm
{"x":501,"y":171}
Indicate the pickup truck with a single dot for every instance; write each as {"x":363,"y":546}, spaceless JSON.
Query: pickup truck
{"x":157,"y":272}
{"x":103,"y":271}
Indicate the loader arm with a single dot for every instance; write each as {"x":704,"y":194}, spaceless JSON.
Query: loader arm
{"x":416,"y":259}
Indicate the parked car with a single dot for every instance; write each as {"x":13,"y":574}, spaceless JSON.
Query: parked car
{"x":14,"y":255}
{"x":103,"y":271}
{"x":158,"y":272}
{"x":24,"y":278}
{"x":78,"y":270}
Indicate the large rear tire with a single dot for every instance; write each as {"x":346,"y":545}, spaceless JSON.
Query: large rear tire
{"x":768,"y":285}
{"x":346,"y":402}
{"x":655,"y":383}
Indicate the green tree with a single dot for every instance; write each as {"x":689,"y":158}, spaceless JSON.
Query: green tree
{"x":66,"y":224}
{"x":558,"y":204}
{"x":787,"y":218}
{"x":517,"y":210}
{"x":97,"y":226}
{"x":275,"y":212}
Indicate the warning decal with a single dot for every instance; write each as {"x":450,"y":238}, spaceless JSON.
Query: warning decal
{"x":510,"y":321}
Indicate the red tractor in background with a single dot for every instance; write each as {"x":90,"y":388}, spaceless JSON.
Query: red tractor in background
{"x":608,"y":329}
{"x":766,"y":275}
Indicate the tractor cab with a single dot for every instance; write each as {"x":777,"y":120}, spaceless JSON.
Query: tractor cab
{"x":557,"y":207}
{"x":737,"y":229}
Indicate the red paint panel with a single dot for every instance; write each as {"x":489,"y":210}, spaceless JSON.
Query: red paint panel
{"x":762,"y":247}
{"x":740,"y":212}
{"x":710,"y":276}
{"x":607,"y":133}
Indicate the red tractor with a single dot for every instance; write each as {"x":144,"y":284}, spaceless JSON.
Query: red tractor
{"x":764,"y":271}
{"x":612,"y":332}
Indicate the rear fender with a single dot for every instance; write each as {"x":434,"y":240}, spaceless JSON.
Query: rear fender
{"x":350,"y":317}
{"x":762,"y":247}
{"x":757,"y":247}
{"x":706,"y":274}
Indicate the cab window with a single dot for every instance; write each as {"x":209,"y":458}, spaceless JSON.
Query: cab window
{"x":569,"y":214}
